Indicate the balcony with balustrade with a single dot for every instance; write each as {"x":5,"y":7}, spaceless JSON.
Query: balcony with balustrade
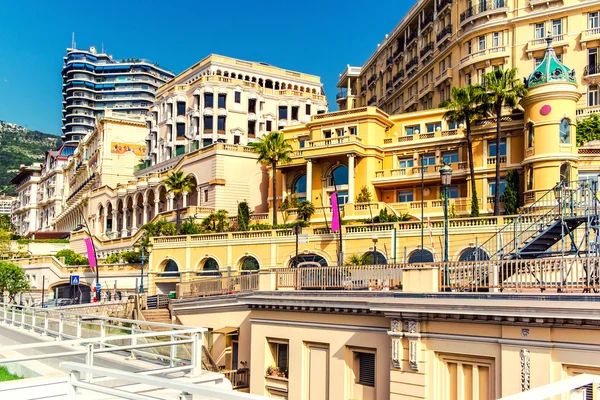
{"x":444,"y":34}
{"x":425,"y":90}
{"x":443,"y":6}
{"x":591,"y":73}
{"x":541,"y":44}
{"x":426,"y":51}
{"x":482,"y":10}
{"x":411,"y":66}
{"x":590,"y":37}
{"x":444,"y":76}
{"x":499,"y":53}
{"x":411,"y":175}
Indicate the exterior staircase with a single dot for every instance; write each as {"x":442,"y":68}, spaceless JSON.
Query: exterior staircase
{"x":543,"y":228}
{"x":162,"y":315}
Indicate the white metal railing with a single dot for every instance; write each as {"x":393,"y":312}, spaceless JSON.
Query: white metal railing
{"x":92,"y":334}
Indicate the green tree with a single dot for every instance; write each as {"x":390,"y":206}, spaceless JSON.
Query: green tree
{"x":12,"y":280}
{"x":358,"y":259}
{"x":305,"y":210}
{"x":588,"y":129}
{"x":6,"y":224}
{"x":384,"y":217}
{"x":511,"y":193}
{"x":72,"y":258}
{"x":221,"y":220}
{"x":364,"y":196}
{"x":113,"y":258}
{"x":131,"y":257}
{"x":272,"y":149}
{"x":5,"y":237}
{"x":210,"y":222}
{"x":466,"y":106}
{"x":243,"y":216}
{"x":503,"y":89}
{"x":190,"y":227}
{"x":178,"y":184}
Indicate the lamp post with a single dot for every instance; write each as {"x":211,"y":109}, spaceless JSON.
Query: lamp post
{"x":375,"y":240}
{"x":446,"y":178}
{"x":138,"y":247}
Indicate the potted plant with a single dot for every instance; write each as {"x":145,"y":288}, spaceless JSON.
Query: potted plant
{"x":272,"y":370}
{"x":281,"y":373}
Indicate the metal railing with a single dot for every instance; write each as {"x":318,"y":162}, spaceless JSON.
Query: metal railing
{"x":218,"y":286}
{"x":92,"y":335}
{"x":352,"y":277}
{"x":239,"y":378}
{"x":481,"y":7}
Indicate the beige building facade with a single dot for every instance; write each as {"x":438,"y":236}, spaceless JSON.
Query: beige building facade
{"x":440,"y":44}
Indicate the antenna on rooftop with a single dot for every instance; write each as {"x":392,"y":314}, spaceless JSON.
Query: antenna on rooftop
{"x":73,"y":40}
{"x":102,"y":47}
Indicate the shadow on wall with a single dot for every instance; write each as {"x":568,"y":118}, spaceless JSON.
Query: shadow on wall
{"x":259,"y":197}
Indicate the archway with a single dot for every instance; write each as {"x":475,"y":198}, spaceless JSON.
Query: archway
{"x":120,"y":216}
{"x":473,"y":254}
{"x":109,"y":219}
{"x":249,"y":265}
{"x":162,"y":199}
{"x":139,"y":210}
{"x":210,"y":267}
{"x":192,"y":197}
{"x":337,"y":178}
{"x":309,"y":260}
{"x":375,"y":258}
{"x":79,"y":294}
{"x":150,"y":202}
{"x":299,"y":188}
{"x":170,"y":270}
{"x":101,"y":219}
{"x":420,"y":256}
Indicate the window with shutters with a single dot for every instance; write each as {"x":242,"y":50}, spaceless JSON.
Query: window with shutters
{"x":366,"y":368}
{"x":466,"y":378}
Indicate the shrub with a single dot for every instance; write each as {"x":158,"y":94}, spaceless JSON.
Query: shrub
{"x":72,"y":258}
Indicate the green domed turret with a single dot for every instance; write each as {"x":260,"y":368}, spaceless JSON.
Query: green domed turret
{"x":550,"y":70}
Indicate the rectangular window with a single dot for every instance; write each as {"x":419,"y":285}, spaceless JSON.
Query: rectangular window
{"x":208,"y":124}
{"x":468,"y":79}
{"x":427,"y":160}
{"x":592,"y":95}
{"x":221,"y":124}
{"x":279,"y":353}
{"x":453,"y":192}
{"x":308,"y":109}
{"x":540,"y":31}
{"x":492,"y":148}
{"x":492,"y":187}
{"x":482,"y":43}
{"x":538,"y":61}
{"x":237,"y":97}
{"x":170,"y":132}
{"x":208,"y":100}
{"x":236,"y":139}
{"x":205,"y":195}
{"x":410,"y":130}
{"x":366,"y":368}
{"x":557,"y":27}
{"x":593,"y":20}
{"x":353,"y":131}
{"x":496,"y":39}
{"x":450,"y":157}
{"x":180,"y":108}
{"x":453,"y":125}
{"x":433,"y":127}
{"x":269,"y":126}
{"x":469,"y":47}
{"x":302,"y":143}
{"x":283,"y":114}
{"x":405,"y":196}
{"x":405,"y":163}
{"x":206,"y":142}
{"x":252,"y":106}
{"x":222,"y":99}
{"x":251,"y":129}
{"x":339,"y":132}
{"x":295,"y":110}
{"x":327,"y":134}
{"x":180,"y":131}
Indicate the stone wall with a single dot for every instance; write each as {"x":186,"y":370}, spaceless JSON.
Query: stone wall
{"x":116,"y":309}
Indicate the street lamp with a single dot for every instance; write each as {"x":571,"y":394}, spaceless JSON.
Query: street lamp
{"x":446,"y":178}
{"x":139,"y":247}
{"x":86,"y":229}
{"x":375,"y":240}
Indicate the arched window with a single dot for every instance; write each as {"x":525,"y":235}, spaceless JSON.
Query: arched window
{"x":565,"y":131}
{"x":171,"y":270}
{"x":210,"y":268}
{"x":530,"y":178}
{"x":249,"y":264}
{"x":473,"y":254}
{"x":565,"y":173}
{"x":530,"y":135}
{"x":300,"y":188}
{"x":420,"y":256}
{"x":376,"y":258}
{"x":340,"y":175}
{"x":309,"y":260}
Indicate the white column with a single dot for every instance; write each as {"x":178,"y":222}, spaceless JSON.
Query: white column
{"x":156,"y":206}
{"x":170,"y":200}
{"x":134,"y":220}
{"x":124,"y":227}
{"x":97,"y":227}
{"x":309,"y":180}
{"x":351,"y":178}
{"x":115,"y":218}
{"x":184,"y":202}
{"x":145,"y":214}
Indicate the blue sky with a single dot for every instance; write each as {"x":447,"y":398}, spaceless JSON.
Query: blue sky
{"x":317,"y":37}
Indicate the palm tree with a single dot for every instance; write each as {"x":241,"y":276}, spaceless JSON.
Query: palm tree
{"x":306,"y":209}
{"x":466,"y":105}
{"x":178,"y":184}
{"x":221,"y":220}
{"x":503,"y":89}
{"x":272,"y":149}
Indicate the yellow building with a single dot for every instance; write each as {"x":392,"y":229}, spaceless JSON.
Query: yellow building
{"x":443,"y":43}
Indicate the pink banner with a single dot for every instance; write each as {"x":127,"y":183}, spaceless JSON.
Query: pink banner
{"x":335,"y":219}
{"x":90,"y":250}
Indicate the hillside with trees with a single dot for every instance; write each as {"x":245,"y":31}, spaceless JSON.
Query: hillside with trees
{"x":19,"y":145}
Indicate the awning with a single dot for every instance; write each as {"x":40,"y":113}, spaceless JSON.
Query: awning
{"x":227,"y":331}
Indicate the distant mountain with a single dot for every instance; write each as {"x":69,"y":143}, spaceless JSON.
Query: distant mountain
{"x":19,"y":145}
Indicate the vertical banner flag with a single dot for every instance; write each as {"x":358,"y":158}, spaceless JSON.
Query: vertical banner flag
{"x":335,"y":219}
{"x":90,"y":251}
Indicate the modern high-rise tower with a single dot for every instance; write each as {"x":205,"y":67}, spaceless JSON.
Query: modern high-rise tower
{"x":94,"y":82}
